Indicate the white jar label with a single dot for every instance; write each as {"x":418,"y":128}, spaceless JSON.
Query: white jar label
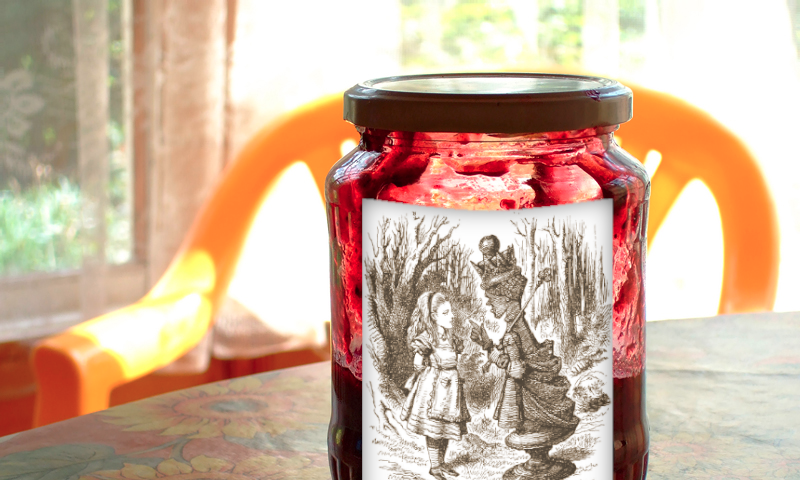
{"x":487,"y":342}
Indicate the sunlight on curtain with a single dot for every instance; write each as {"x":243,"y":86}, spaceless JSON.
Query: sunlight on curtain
{"x":286,"y":54}
{"x":737,"y":60}
{"x":283,"y":277}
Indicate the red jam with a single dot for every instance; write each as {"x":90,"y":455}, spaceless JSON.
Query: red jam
{"x":486,"y":172}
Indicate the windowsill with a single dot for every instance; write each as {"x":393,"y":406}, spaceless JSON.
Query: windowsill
{"x":21,"y":329}
{"x":37,"y":305}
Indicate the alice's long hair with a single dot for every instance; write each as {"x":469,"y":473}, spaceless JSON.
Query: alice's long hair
{"x":422,"y":317}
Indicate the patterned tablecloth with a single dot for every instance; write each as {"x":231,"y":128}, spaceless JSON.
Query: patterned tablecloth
{"x":723,"y":398}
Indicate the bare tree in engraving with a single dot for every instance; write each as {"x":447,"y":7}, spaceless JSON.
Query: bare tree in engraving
{"x":409,"y":257}
{"x":526,"y":228}
{"x":576,"y":301}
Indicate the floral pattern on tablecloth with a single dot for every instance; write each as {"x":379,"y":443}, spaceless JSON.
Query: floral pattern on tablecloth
{"x":189,"y":434}
{"x":238,"y":408}
{"x":204,"y":467}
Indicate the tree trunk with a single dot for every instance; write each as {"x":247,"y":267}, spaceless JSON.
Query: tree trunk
{"x":396,"y":336}
{"x":569,"y":271}
{"x":534,"y":278}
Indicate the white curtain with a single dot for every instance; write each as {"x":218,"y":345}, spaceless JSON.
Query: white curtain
{"x":738,"y":61}
{"x":735,"y":59}
{"x":285,"y":54}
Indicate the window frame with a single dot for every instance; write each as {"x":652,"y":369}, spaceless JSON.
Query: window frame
{"x":41,"y":304}
{"x":37,"y":304}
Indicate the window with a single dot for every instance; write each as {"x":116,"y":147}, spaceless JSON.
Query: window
{"x":65,"y":159}
{"x":42,"y":162}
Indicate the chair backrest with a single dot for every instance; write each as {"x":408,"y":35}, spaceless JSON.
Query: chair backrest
{"x":695,"y":146}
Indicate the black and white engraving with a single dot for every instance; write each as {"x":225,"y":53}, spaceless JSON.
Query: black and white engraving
{"x":488,"y":342}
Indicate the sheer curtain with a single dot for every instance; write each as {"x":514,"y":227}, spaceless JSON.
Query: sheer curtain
{"x":90,"y":24}
{"x":737,"y":60}
{"x":281,"y":56}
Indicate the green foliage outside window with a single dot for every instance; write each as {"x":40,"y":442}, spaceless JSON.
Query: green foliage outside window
{"x":39,"y":228}
{"x":493,"y":34}
{"x":40,"y":198}
{"x":476,"y":29}
{"x":560,"y":24}
{"x":40,"y":224}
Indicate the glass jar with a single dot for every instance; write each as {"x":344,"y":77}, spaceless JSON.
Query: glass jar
{"x":475,"y":306}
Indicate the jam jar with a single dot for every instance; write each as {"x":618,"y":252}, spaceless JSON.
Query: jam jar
{"x":487,"y":257}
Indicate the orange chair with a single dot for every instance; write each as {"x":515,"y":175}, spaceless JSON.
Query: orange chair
{"x":77,"y":369}
{"x":695,"y":146}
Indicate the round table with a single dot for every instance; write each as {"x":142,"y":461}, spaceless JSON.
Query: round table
{"x":722,"y":397}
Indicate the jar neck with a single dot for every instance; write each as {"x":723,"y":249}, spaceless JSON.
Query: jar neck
{"x":481,"y":145}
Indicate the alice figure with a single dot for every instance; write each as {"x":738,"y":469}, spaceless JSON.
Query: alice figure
{"x":435,"y":406}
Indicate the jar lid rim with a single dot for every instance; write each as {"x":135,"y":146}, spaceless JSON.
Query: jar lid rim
{"x":488,"y":103}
